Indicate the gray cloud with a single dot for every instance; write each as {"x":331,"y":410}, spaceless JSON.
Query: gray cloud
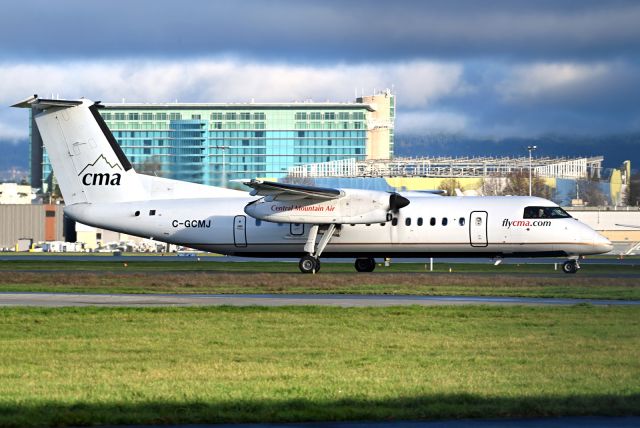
{"x":420,"y":83}
{"x":317,"y":32}
{"x":501,"y":99}
{"x":499,"y":68}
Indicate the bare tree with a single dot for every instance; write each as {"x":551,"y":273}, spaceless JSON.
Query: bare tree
{"x":518,"y":184}
{"x":151,"y":166}
{"x":591,"y":193}
{"x":633,"y":190}
{"x":492,"y":186}
{"x":450,"y":185}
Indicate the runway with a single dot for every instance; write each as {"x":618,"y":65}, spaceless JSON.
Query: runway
{"x":196,"y":257}
{"x":155,"y":300}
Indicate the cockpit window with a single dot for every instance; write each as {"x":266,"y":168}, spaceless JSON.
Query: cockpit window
{"x":545,"y":212}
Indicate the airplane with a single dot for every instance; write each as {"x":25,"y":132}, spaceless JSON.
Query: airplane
{"x":100,"y":188}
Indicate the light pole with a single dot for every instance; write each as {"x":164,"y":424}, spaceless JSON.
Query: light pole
{"x":531,"y":149}
{"x":224,"y":165}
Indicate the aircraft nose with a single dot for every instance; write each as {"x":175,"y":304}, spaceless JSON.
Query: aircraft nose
{"x":602,"y":244}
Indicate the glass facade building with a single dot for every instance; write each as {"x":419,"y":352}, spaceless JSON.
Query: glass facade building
{"x":215,"y":143}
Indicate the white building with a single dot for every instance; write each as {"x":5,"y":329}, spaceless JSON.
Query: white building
{"x":13,"y":193}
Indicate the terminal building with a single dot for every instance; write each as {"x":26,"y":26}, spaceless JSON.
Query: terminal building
{"x":213,"y":143}
{"x":476,"y":175}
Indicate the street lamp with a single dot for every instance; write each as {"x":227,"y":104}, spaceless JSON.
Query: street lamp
{"x":224,"y":166}
{"x":531,"y":149}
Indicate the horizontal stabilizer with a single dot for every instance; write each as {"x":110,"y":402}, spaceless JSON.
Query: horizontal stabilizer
{"x":43,"y":103}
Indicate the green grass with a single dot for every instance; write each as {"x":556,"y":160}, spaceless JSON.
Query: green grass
{"x":85,"y":366}
{"x":595,"y":282}
{"x":204,"y":265}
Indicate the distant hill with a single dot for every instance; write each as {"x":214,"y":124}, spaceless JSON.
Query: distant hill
{"x":614,"y":148}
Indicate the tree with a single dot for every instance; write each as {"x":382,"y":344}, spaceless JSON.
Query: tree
{"x":151,"y":166}
{"x":633,"y":190}
{"x":591,"y":193}
{"x":492,"y":186}
{"x":518,"y":184}
{"x":450,"y":185}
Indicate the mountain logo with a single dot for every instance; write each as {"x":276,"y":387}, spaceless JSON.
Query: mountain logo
{"x":101,"y":178}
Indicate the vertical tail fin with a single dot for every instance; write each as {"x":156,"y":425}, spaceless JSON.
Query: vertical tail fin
{"x":88,"y":163}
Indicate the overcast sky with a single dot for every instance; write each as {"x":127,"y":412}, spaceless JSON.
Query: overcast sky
{"x":491,"y":69}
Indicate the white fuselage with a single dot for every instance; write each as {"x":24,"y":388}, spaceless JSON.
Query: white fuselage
{"x":444,"y":226}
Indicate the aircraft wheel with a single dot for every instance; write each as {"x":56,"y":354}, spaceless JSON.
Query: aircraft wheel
{"x":365,"y":264}
{"x":570,"y":266}
{"x":309,"y":264}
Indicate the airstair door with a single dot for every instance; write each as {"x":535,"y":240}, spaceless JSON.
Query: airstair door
{"x":240,"y":231}
{"x":478,"y":229}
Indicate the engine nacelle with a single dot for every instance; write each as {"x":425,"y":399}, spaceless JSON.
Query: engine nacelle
{"x":353,"y":206}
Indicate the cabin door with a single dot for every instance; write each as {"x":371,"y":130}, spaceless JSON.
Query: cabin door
{"x":240,"y":231}
{"x":478,"y":229}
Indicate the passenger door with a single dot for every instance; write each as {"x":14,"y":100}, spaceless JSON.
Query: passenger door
{"x":478,"y":229}
{"x":240,"y":231}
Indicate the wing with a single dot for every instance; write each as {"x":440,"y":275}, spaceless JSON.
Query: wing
{"x":284,"y":192}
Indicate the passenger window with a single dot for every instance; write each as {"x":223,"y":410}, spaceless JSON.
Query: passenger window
{"x":258,"y":222}
{"x":432,"y":222}
{"x":383,"y":224}
{"x":407,"y":221}
{"x":152,"y":212}
{"x":419,"y":221}
{"x":137,"y":213}
{"x":461,"y":221}
{"x":444,"y":221}
{"x":394,"y":222}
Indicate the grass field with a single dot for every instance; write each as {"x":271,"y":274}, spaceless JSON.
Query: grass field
{"x":83,"y":366}
{"x":112,"y":264}
{"x":597,"y":282}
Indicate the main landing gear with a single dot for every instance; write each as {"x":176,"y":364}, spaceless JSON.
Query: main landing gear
{"x":365,"y":264}
{"x":570,"y":266}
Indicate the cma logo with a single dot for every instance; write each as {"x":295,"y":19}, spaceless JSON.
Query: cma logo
{"x":101,"y":179}
{"x":90,"y":178}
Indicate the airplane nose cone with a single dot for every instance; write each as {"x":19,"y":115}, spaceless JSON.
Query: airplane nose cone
{"x":397,"y":201}
{"x":602,"y":244}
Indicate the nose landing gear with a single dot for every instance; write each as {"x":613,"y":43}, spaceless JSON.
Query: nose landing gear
{"x":310,"y":263}
{"x":570,"y":266}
